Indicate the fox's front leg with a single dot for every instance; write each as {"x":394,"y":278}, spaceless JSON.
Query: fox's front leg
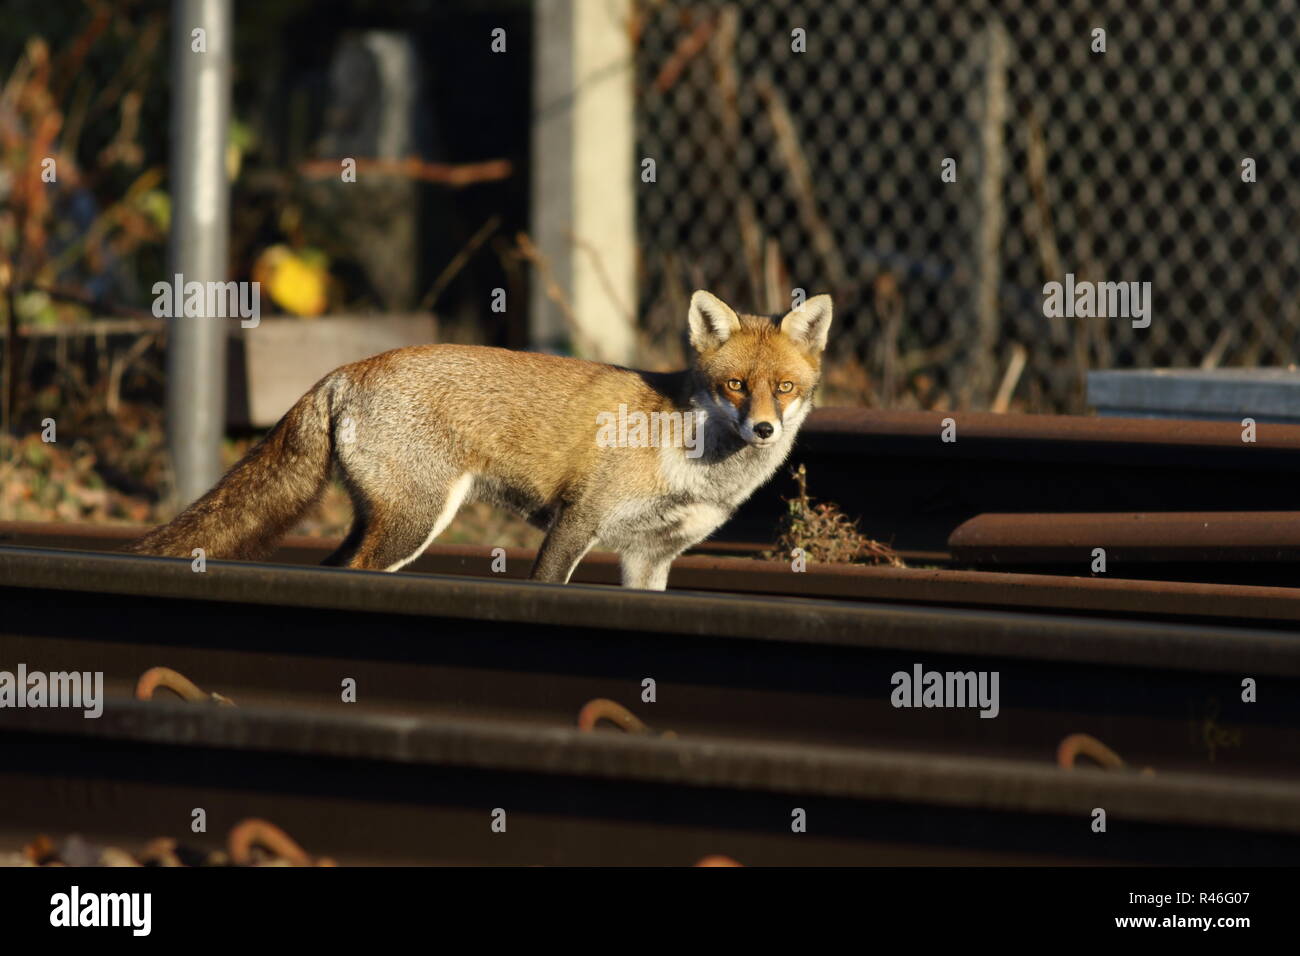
{"x":646,"y":571}
{"x":569,"y":538}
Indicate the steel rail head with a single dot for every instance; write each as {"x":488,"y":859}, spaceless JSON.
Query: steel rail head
{"x":1013,"y":634}
{"x":1054,"y":593}
{"x":1240,"y":536}
{"x":860,"y":774}
{"x":1050,"y":432}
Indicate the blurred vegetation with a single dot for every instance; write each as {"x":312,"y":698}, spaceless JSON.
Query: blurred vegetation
{"x":86,"y":84}
{"x":82,"y":140}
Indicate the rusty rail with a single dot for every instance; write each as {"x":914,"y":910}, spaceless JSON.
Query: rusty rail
{"x":1236,"y":536}
{"x":909,"y":487}
{"x":427,"y":790}
{"x":942,"y":587}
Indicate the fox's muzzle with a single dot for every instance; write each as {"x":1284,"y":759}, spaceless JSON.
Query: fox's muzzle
{"x":761,"y":432}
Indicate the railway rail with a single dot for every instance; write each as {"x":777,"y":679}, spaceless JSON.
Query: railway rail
{"x":1257,"y":546}
{"x":935,"y":586}
{"x":372,"y":788}
{"x":911,"y":488}
{"x":802,"y":670}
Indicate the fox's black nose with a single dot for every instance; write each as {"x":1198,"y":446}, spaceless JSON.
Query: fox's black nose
{"x":763,"y":429}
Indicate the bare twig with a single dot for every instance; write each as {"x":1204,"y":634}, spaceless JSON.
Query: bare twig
{"x":629,"y":317}
{"x":723,"y":50}
{"x":918,"y":359}
{"x":889,"y":309}
{"x":993,"y":117}
{"x":688,"y":48}
{"x":118,"y":368}
{"x":1011,"y":378}
{"x":458,"y":261}
{"x":95,"y":328}
{"x":1049,"y":254}
{"x":775,"y":280}
{"x":796,"y":164}
{"x":1220,"y":347}
{"x":455,"y":175}
{"x":532,"y":254}
{"x":101,"y":305}
{"x":678,"y":300}
{"x":10,"y":393}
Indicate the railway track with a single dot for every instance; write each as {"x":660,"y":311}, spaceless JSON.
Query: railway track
{"x":817,"y":671}
{"x":777,"y":685}
{"x":805,"y":681}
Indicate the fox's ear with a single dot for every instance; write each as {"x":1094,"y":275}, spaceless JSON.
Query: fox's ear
{"x":712,"y":321}
{"x":809,"y":325}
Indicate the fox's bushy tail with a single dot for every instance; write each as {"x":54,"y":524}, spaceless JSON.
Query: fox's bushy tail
{"x":262,"y":496}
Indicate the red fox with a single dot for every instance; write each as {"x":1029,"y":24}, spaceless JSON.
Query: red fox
{"x":416,"y":432}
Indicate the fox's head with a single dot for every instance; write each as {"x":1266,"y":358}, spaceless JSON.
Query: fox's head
{"x":755,"y":373}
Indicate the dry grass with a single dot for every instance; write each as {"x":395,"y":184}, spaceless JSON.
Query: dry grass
{"x":100,"y":467}
{"x":825,"y":534}
{"x":60,"y":481}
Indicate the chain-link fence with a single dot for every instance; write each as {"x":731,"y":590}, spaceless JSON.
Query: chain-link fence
{"x":824,"y":170}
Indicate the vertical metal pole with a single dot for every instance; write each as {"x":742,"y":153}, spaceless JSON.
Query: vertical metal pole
{"x":196,"y":353}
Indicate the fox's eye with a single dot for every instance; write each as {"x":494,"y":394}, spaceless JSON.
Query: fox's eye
{"x":735,"y":384}
{"x":785,"y":387}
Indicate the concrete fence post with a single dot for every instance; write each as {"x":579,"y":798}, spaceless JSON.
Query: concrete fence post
{"x":585,"y":178}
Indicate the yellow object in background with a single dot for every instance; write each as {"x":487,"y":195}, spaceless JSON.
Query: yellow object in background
{"x":296,"y":282}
